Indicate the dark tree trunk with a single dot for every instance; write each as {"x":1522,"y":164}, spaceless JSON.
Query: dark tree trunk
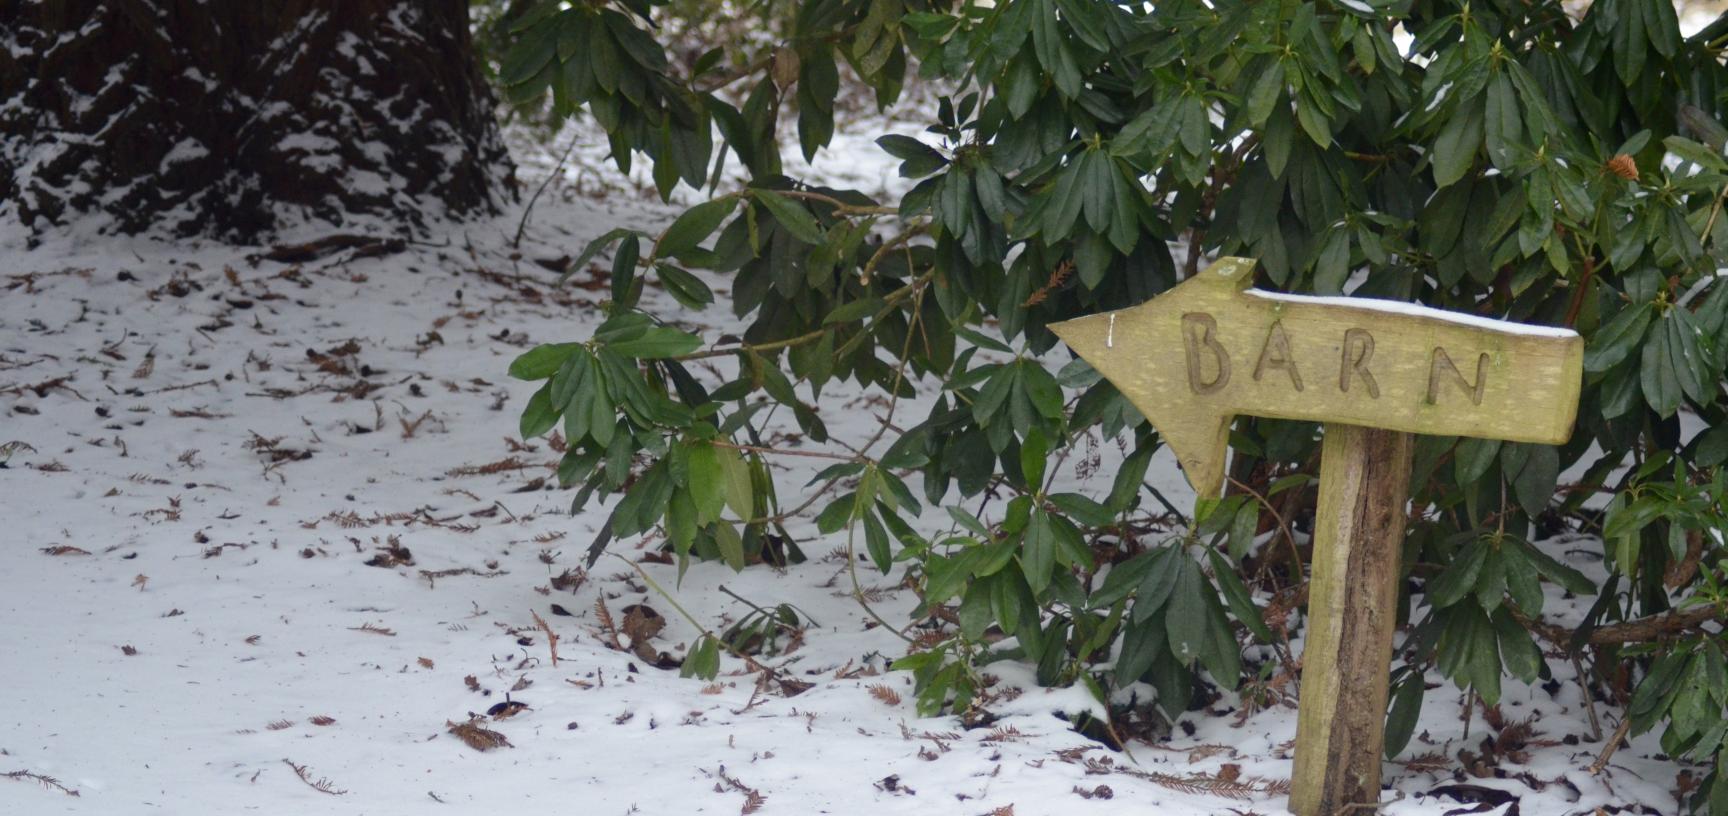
{"x":234,"y":118}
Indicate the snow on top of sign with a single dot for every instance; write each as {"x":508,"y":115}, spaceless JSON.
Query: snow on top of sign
{"x":1417,"y":310}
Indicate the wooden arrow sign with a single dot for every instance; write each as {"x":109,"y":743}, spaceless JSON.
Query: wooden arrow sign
{"x":1374,"y":372}
{"x":1209,"y":349}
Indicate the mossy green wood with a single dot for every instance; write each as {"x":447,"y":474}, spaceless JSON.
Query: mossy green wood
{"x":1198,"y":355}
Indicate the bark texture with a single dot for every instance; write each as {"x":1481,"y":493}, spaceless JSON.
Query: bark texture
{"x":234,"y":119}
{"x":1352,"y":612}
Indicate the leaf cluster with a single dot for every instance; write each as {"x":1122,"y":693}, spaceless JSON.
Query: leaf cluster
{"x":1518,"y":160}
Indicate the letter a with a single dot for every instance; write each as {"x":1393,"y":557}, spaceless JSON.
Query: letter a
{"x":1198,"y":329}
{"x":1275,"y":353}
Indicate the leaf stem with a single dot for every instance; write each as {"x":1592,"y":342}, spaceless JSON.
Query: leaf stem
{"x":888,"y":303}
{"x":784,"y":452}
{"x":751,"y":662}
{"x":840,"y":207}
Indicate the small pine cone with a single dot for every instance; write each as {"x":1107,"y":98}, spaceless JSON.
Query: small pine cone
{"x":1623,"y":166}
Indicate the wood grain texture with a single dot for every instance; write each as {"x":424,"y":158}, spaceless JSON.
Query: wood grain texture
{"x":1358,"y":533}
{"x":1198,"y":355}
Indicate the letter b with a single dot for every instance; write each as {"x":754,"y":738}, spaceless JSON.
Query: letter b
{"x":1199,"y":329}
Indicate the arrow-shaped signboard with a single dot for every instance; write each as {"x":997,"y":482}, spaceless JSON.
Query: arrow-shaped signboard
{"x":1209,"y":349}
{"x":1374,"y":371}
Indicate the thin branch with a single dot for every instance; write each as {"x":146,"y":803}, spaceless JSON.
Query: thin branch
{"x":1283,"y":526}
{"x":840,"y":207}
{"x":551,"y":636}
{"x":802,"y":339}
{"x":785,"y":452}
{"x":752,"y":663}
{"x":320,"y":785}
{"x":864,"y":276}
{"x":900,"y":369}
{"x":888,"y":303}
{"x":749,"y":603}
{"x":815,"y":496}
{"x":529,"y":210}
{"x":44,"y":780}
{"x":1612,"y":746}
{"x":747,"y":71}
{"x":858,"y":588}
{"x":1589,"y":698}
{"x":1640,"y":630}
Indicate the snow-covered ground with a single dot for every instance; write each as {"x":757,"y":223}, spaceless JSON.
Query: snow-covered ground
{"x":275,"y":535}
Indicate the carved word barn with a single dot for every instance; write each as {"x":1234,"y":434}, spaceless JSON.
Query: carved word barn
{"x":1210,"y":364}
{"x":1195,"y":357}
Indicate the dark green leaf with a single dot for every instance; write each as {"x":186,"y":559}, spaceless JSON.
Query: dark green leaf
{"x":1406,"y":709}
{"x":657,"y":343}
{"x":1472,"y":458}
{"x":1658,"y":376}
{"x":1455,"y":147}
{"x":594,"y":248}
{"x":694,"y":226}
{"x":1502,"y":128}
{"x":1033,"y":450}
{"x":1614,"y":341}
{"x":1518,"y":653}
{"x":1536,"y":481}
{"x":1142,"y":643}
{"x":1459,"y":577}
{"x":1038,"y":551}
{"x":1573,"y":580}
{"x":1084,"y":510}
{"x":854,"y":310}
{"x":540,"y":414}
{"x":1265,"y":93}
{"x":542,"y":361}
{"x":876,"y":542}
{"x":1236,"y":596}
{"x":793,"y":216}
{"x":687,"y":289}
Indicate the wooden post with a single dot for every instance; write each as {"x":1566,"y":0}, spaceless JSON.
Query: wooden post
{"x":1352,"y":597}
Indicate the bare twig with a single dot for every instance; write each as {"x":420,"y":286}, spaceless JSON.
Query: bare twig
{"x":1640,"y":630}
{"x":551,"y":636}
{"x":840,"y":207}
{"x":1589,"y":699}
{"x":184,"y":387}
{"x":46,"y":781}
{"x":320,"y":784}
{"x":786,"y":452}
{"x":528,"y":210}
{"x":1283,"y":526}
{"x":888,"y":303}
{"x":606,"y":623}
{"x":1612,"y":746}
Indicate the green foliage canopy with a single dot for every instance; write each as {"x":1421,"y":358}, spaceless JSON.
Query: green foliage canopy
{"x":1503,"y":158}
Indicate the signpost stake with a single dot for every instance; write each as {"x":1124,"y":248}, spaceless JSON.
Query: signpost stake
{"x":1352,"y":602}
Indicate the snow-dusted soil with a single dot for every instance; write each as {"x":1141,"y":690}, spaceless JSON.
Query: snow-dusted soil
{"x":196,"y":593}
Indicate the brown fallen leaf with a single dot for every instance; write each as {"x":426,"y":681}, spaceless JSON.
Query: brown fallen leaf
{"x":478,"y":737}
